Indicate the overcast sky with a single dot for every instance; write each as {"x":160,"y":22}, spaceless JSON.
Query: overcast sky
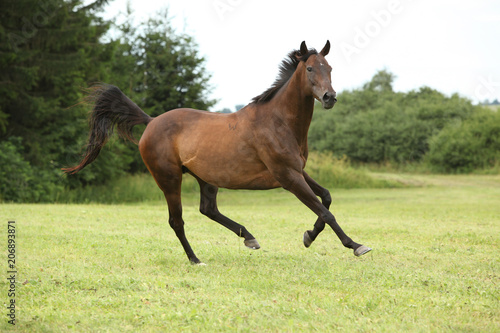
{"x":451,"y":46}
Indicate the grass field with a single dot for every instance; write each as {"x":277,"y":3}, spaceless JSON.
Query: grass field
{"x":120,"y":268}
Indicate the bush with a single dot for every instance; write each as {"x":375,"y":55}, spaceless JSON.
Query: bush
{"x":383,"y":134}
{"x":19,"y":181}
{"x":467,"y":145}
{"x":378,"y":125}
{"x":15,"y":172}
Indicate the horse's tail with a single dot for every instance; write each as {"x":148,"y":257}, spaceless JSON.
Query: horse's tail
{"x":111,"y":108}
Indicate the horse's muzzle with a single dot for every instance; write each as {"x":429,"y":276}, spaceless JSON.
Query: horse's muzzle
{"x":329,"y":99}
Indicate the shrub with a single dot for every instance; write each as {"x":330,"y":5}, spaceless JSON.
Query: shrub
{"x":378,"y":125}
{"x":467,"y":145}
{"x":19,"y":181}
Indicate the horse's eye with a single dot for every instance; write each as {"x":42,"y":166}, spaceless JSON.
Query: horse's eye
{"x":309,"y":69}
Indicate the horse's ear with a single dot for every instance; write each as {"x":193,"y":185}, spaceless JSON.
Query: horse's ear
{"x":303,"y":48}
{"x":326,"y":49}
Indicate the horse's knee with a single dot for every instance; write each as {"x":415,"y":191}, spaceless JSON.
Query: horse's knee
{"x":176,"y":224}
{"x":326,"y":198}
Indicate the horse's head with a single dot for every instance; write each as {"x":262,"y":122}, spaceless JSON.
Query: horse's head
{"x":318,"y":75}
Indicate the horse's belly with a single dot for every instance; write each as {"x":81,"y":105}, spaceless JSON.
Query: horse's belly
{"x":233,"y":174}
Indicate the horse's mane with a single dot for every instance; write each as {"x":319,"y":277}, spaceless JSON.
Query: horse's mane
{"x":286,"y":70}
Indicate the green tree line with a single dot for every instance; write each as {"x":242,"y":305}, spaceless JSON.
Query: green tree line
{"x":375,"y":124}
{"x":49,"y":52}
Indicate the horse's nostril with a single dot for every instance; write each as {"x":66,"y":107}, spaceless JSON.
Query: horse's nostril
{"x":329,"y":97}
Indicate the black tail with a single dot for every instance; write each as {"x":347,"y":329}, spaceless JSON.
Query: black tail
{"x":111,"y":108}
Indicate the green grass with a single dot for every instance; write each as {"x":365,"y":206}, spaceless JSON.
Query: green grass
{"x":492,"y":107}
{"x":120,"y":268}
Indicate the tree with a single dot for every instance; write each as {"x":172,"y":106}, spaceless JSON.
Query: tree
{"x":48,"y":50}
{"x":165,"y":70}
{"x":381,"y":82}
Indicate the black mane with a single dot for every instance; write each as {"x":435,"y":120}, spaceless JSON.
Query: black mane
{"x":287,"y":68}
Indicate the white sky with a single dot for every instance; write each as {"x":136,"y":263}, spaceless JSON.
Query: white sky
{"x":451,"y":46}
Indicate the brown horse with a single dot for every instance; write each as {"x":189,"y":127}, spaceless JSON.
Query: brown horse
{"x":262,"y":146}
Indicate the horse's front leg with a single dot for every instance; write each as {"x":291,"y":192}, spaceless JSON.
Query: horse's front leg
{"x":295,"y":182}
{"x":326,"y":200}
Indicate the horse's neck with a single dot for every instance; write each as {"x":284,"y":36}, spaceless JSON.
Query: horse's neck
{"x":296,"y":108}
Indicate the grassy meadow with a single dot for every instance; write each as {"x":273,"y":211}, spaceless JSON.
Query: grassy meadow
{"x":119,"y":267}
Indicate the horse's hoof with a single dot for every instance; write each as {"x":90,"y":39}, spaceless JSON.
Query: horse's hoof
{"x":361,"y":250}
{"x":196,"y":261}
{"x":307,"y":240}
{"x":252,"y":244}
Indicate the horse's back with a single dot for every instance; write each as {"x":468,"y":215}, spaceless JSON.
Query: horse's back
{"x":190,"y":125}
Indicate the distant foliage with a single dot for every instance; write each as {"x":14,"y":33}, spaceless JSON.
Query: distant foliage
{"x":48,"y":51}
{"x":159,"y":68}
{"x":376,"y":125}
{"x":467,"y":145}
{"x":19,"y":181}
{"x":15,"y":173}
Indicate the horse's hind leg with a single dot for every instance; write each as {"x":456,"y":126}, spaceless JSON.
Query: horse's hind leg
{"x":208,"y":207}
{"x":170,"y":184}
